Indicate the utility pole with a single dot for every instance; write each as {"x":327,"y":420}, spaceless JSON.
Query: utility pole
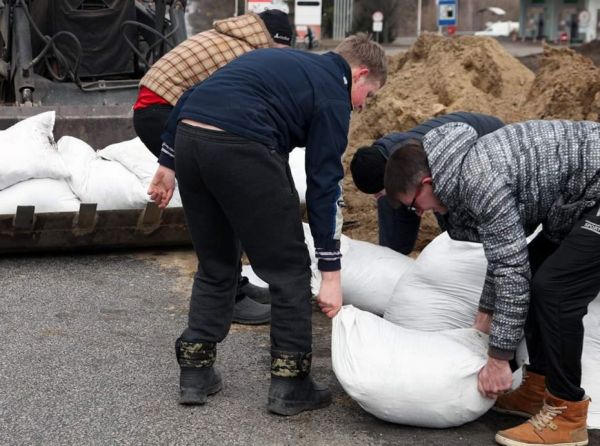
{"x":419,"y":6}
{"x":236,"y":9}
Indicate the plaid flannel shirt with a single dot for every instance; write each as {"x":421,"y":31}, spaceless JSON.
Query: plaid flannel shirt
{"x":198,"y":57}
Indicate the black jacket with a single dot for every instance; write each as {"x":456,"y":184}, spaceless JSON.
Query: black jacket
{"x":283,"y":98}
{"x":483,"y":124}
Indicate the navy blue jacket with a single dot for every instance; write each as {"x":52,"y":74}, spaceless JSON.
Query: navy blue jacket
{"x":283,"y":98}
{"x":483,"y":124}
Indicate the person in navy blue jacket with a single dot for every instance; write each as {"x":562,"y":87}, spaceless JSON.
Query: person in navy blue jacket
{"x":399,"y":228}
{"x":227,"y":142}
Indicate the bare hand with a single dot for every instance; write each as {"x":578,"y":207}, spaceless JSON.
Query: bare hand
{"x":495,"y":378}
{"x":162,"y":186}
{"x":330,"y":294}
{"x":483,"y":322}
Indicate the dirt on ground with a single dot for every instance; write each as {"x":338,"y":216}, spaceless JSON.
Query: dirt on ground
{"x":439,"y":75}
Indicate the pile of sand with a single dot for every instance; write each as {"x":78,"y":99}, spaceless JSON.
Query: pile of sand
{"x":440,"y":75}
{"x":590,"y":50}
{"x":567,"y":86}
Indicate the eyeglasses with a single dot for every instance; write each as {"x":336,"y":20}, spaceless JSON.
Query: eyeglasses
{"x":412,"y":207}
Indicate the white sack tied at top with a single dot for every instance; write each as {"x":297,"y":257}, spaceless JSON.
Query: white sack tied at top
{"x":28,"y":150}
{"x":442,"y":289}
{"x":405,"y":376}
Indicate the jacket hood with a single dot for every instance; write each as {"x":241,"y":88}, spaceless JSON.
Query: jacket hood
{"x":248,"y":27}
{"x":446,"y":147}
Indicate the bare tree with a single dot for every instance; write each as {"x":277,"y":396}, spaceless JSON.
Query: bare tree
{"x":363,"y":11}
{"x":204,"y":12}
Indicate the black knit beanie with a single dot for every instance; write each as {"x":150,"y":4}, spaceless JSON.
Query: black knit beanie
{"x":278,"y":25}
{"x":368,"y":169}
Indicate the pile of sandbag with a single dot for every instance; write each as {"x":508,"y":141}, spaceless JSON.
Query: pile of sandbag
{"x":369,"y":272}
{"x":419,"y":365}
{"x":32,"y":172}
{"x":58,"y":176}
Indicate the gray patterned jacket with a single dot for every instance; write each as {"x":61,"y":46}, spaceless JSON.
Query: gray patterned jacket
{"x":499,"y":188}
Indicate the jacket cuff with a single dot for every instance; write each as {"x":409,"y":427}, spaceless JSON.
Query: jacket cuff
{"x":167,"y":157}
{"x":505,"y":355}
{"x":485,"y":310}
{"x":329,"y":265}
{"x":328,"y":255}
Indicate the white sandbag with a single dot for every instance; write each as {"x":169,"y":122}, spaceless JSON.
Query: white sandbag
{"x":297,"y":167}
{"x":369,"y":272}
{"x":442,"y":289}
{"x":409,"y":377}
{"x":136,"y":158}
{"x":47,"y":195}
{"x":77,"y":156}
{"x":590,"y":362}
{"x":95,"y":180}
{"x":248,"y":272}
{"x":27,"y":150}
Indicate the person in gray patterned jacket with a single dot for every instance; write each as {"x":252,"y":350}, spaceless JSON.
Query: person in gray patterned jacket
{"x":496,"y":190}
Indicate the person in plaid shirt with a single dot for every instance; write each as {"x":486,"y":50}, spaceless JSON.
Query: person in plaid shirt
{"x":192,"y":62}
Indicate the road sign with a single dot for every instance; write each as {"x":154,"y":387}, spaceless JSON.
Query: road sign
{"x":377,"y":27}
{"x":447,"y":12}
{"x":377,"y":16}
{"x":584,"y":18}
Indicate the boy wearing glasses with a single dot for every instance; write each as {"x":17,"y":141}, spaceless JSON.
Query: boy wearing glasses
{"x":399,"y":228}
{"x":496,"y":190}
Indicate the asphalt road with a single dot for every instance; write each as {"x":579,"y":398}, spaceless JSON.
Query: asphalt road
{"x":86,"y":343}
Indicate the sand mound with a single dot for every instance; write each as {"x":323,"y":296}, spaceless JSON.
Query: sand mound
{"x":567,"y":86}
{"x":590,"y":50}
{"x":440,"y":75}
{"x":436,"y":76}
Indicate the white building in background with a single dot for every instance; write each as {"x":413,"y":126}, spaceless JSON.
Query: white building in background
{"x":560,"y":20}
{"x":259,"y":6}
{"x":307,"y":14}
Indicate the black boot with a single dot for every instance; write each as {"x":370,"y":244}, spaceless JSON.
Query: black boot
{"x":248,"y":310}
{"x":198,"y":377}
{"x":292,"y":389}
{"x":254,"y":292}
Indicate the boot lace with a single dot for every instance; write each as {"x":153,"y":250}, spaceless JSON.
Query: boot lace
{"x":544,"y":419}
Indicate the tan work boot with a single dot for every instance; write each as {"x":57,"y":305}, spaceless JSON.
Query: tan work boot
{"x":527,"y":400}
{"x":559,"y":423}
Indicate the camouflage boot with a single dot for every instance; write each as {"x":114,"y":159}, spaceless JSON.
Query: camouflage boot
{"x":292,"y":389}
{"x":198,"y":377}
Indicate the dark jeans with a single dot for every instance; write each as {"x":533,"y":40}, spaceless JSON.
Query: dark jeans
{"x":149,"y":124}
{"x":566,"y":278}
{"x":234,"y":190}
{"x":398,"y":228}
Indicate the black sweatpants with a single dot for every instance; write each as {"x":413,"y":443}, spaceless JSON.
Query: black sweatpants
{"x":234,"y":190}
{"x":149,"y":123}
{"x":566,"y":278}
